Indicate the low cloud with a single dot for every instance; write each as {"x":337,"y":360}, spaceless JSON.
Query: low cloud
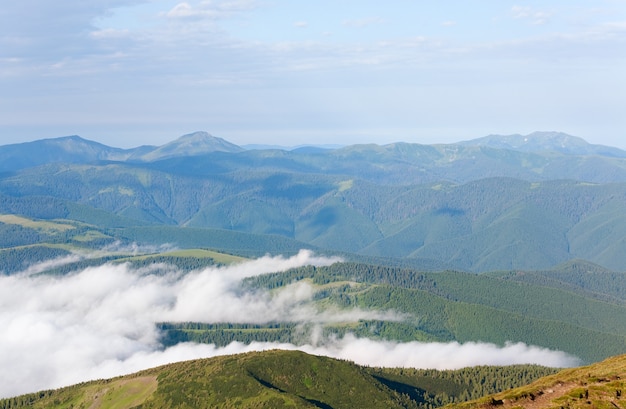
{"x":363,"y":351}
{"x":100,"y":323}
{"x":118,"y":247}
{"x":438,"y":355}
{"x":50,"y":264}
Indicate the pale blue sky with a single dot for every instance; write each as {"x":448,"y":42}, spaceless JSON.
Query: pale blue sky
{"x":131,"y":72}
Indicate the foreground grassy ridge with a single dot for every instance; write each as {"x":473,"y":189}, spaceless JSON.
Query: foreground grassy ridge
{"x":276,"y":379}
{"x":600,"y":385}
{"x":273,"y":379}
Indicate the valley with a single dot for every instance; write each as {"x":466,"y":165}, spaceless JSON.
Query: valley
{"x":440,"y":256}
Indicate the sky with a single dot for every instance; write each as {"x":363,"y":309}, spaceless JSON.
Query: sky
{"x":289,"y":72}
{"x":100,"y":322}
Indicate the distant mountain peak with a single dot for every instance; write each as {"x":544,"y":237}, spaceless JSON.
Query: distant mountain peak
{"x":536,"y":139}
{"x":77,"y":144}
{"x":64,"y":149}
{"x":192,"y":144}
{"x":197,"y":137}
{"x":64,"y":140}
{"x":545,"y":141}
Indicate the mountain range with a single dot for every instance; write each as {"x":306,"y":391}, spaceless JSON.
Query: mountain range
{"x":74,"y":149}
{"x":542,"y":145}
{"x":495,"y":203}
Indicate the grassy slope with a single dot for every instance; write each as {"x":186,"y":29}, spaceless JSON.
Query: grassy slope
{"x":596,"y":386}
{"x":220,"y":258}
{"x":26,"y":241}
{"x":94,"y":229}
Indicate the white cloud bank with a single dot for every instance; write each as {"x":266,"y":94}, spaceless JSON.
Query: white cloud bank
{"x":99,"y":323}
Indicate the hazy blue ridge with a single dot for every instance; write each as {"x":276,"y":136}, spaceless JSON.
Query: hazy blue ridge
{"x":538,"y":156}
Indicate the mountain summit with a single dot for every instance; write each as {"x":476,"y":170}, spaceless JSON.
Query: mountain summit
{"x":193,"y":144}
{"x":66,"y":149}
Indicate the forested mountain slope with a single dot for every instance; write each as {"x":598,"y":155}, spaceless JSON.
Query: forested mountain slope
{"x":464,"y":307}
{"x":487,"y":224}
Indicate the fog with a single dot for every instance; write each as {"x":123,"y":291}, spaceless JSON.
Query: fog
{"x":100,"y":323}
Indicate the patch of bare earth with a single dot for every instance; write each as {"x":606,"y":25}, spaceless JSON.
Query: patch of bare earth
{"x":570,"y":395}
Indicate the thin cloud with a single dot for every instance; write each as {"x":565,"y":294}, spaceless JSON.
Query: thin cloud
{"x":184,"y":10}
{"x":301,"y":24}
{"x":210,"y":9}
{"x":100,"y":322}
{"x":536,"y":17}
{"x":110,"y":33}
{"x":363,"y":22}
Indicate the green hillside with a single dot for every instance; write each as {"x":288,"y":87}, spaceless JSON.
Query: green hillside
{"x":277,"y":379}
{"x":466,"y":307}
{"x":483,"y":225}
